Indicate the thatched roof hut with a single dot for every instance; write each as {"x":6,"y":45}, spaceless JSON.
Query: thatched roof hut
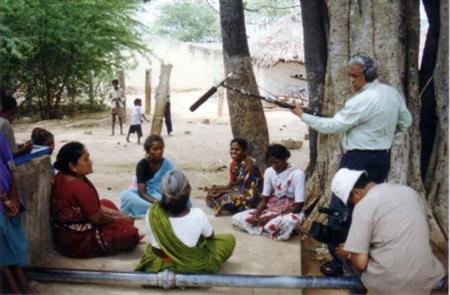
{"x":283,"y":42}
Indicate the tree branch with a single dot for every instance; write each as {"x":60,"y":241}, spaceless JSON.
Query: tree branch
{"x":271,"y":7}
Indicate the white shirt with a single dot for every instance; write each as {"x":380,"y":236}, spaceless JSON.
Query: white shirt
{"x":290,"y":183}
{"x":368,"y":120}
{"x":116,"y":96}
{"x":136,"y":115}
{"x":188,"y":228}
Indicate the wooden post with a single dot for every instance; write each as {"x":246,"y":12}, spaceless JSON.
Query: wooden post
{"x":123,"y":86}
{"x":220,"y":94}
{"x":148,"y":91}
{"x":161,"y":93}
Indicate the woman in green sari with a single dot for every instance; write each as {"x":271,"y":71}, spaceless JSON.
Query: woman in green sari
{"x":181,"y":238}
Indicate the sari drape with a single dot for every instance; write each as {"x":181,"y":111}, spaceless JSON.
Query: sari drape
{"x":13,"y":242}
{"x":206,"y":257}
{"x":130,"y":201}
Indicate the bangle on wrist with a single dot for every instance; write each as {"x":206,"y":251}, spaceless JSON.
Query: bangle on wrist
{"x":349,"y":255}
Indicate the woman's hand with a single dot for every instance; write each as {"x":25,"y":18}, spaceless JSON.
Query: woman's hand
{"x":12,"y":207}
{"x":253,"y":219}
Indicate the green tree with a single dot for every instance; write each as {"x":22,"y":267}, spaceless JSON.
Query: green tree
{"x":48,"y":45}
{"x":187,"y":21}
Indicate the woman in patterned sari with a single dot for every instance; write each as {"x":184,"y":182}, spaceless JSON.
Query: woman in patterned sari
{"x":83,"y":225}
{"x":280,"y":209}
{"x":245,"y":183}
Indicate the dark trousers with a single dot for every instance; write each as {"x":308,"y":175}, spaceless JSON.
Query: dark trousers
{"x":168,"y":118}
{"x":376,"y":164}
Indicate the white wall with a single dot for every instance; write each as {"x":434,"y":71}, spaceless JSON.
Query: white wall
{"x":195,"y":66}
{"x":277,"y":80}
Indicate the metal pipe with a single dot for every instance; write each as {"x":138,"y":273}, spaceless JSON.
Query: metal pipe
{"x":168,"y":279}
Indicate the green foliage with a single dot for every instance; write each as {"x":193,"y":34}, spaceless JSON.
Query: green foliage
{"x":265,"y":12}
{"x":48,"y":45}
{"x":187,"y":21}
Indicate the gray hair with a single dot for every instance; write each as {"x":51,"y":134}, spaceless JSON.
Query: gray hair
{"x":367,"y":63}
{"x":175,"y":184}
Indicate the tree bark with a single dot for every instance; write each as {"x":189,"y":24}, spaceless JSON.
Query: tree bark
{"x":428,"y":116}
{"x":437,"y":187}
{"x":246,"y":114}
{"x":315,"y":42}
{"x":148,"y":91}
{"x":161,"y":93}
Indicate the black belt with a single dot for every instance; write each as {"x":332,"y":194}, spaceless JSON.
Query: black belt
{"x":368,"y":151}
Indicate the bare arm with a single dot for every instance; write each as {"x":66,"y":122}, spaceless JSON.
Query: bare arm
{"x":261,"y":206}
{"x":100,"y":218}
{"x":142,"y":190}
{"x":358,"y":260}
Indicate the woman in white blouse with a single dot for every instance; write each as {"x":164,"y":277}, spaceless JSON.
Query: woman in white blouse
{"x":181,"y":238}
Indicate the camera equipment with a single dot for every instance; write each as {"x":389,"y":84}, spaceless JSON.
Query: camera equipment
{"x":334,"y":233}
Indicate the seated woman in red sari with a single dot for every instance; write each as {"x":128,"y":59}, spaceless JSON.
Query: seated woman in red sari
{"x":245,"y":183}
{"x":83,"y":225}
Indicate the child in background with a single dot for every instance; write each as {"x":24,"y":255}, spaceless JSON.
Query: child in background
{"x":8,"y":111}
{"x":13,"y":243}
{"x":40,"y":136}
{"x":136,"y":118}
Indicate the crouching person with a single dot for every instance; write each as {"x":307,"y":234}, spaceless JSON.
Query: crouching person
{"x":181,"y":238}
{"x":389,"y":238}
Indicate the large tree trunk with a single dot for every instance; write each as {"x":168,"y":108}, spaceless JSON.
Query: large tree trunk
{"x":246,"y":114}
{"x":388,"y":31}
{"x":315,"y":42}
{"x":437,"y":180}
{"x":428,"y":116}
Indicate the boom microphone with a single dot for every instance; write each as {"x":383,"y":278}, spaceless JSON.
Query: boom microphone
{"x":208,"y":93}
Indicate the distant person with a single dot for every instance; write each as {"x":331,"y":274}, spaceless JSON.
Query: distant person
{"x":136,"y":119}
{"x":168,"y":115}
{"x":181,"y":238}
{"x":43,"y":137}
{"x":13,"y":241}
{"x":389,"y":238}
{"x":280,"y":210}
{"x":149,"y":172}
{"x":83,"y":225}
{"x":116,"y":97}
{"x":368,"y":122}
{"x":244,"y":187}
{"x":8,"y":112}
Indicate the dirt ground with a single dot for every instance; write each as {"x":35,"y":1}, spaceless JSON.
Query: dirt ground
{"x":199,"y":147}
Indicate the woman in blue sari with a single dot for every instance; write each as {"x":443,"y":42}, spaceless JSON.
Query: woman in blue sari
{"x":13,"y":243}
{"x":149,"y":173}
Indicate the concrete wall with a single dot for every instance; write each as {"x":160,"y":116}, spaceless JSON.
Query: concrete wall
{"x":195,"y":66}
{"x":34,"y":184}
{"x":200,"y":66}
{"x":278,"y":81}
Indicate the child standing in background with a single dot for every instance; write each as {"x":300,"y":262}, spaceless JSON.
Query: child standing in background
{"x":136,"y":118}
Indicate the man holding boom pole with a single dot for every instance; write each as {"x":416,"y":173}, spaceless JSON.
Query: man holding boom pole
{"x":368,"y":122}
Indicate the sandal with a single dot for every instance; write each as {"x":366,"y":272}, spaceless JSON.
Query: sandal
{"x":329,"y":269}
